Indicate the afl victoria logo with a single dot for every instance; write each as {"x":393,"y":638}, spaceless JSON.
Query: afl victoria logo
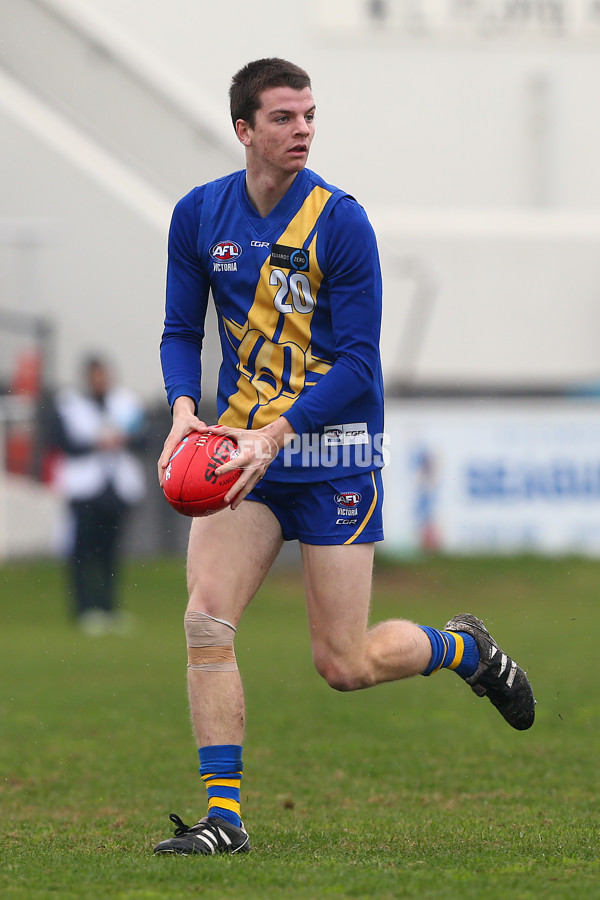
{"x":225,"y":251}
{"x":348,"y":498}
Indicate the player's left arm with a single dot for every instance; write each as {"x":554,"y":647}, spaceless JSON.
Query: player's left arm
{"x":355,"y":293}
{"x":258,"y":448}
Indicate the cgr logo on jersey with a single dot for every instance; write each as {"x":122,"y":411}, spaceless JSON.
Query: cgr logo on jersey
{"x":352,"y":433}
{"x":224,"y":254}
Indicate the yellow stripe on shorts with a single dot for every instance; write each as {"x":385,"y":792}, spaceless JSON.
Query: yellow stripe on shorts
{"x":370,"y":511}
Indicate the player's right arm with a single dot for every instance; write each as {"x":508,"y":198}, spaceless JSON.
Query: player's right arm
{"x":181,"y":345}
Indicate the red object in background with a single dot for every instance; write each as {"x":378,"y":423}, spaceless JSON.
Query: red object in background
{"x":27,"y":379}
{"x":26,"y":383}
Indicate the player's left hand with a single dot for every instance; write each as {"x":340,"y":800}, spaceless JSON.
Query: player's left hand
{"x":258,"y":449}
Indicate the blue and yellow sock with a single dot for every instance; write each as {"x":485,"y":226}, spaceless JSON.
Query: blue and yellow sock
{"x":454,"y":650}
{"x":221,"y":771}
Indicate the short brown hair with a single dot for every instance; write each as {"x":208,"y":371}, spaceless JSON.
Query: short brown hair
{"x":255,"y":77}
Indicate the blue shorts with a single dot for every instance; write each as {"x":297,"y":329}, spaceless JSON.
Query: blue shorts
{"x":346,"y":510}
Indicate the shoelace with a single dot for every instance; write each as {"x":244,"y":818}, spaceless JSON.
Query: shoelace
{"x":182,"y":829}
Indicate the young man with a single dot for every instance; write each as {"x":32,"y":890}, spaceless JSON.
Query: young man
{"x":293,"y":267}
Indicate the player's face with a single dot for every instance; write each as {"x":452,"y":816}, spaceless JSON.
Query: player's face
{"x":283,"y":130}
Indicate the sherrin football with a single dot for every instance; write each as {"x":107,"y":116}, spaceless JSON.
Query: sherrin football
{"x":190,"y":483}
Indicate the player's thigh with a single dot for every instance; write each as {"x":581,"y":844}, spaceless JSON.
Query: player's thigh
{"x":229,"y":555}
{"x":338,"y":594}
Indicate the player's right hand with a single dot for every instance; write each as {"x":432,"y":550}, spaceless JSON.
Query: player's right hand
{"x":185,"y":421}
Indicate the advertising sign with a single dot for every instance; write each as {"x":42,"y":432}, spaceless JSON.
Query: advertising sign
{"x":487,"y":476}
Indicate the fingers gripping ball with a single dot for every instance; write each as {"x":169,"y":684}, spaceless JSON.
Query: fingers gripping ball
{"x":191,"y":484}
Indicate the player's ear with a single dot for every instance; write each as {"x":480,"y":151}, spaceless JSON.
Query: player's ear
{"x":243,"y":131}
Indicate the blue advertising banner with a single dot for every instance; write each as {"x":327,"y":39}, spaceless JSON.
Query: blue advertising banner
{"x":492,"y":476}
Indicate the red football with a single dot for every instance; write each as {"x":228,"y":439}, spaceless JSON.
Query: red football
{"x":190,"y":484}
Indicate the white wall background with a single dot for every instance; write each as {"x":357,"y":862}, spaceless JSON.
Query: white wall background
{"x":413,"y":126}
{"x":411,"y":122}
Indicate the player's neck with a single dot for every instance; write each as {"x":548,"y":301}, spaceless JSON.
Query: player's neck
{"x":265,"y":190}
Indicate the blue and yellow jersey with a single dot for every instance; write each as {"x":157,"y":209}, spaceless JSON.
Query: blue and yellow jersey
{"x":298,"y":300}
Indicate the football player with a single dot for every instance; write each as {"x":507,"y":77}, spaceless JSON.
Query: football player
{"x":293,"y":267}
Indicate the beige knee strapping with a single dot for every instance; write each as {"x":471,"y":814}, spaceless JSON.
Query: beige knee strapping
{"x":210,"y":643}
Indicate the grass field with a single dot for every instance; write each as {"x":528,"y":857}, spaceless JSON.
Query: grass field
{"x":411,"y":790}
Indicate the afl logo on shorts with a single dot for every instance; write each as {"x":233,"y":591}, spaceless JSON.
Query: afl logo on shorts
{"x":225,"y":251}
{"x":348,"y":498}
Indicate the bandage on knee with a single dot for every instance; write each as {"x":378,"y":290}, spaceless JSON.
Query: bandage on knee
{"x":210,"y":643}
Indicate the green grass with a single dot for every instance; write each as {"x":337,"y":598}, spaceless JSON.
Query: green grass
{"x":411,"y":790}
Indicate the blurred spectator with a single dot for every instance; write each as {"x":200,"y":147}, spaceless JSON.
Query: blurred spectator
{"x":97,"y":428}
